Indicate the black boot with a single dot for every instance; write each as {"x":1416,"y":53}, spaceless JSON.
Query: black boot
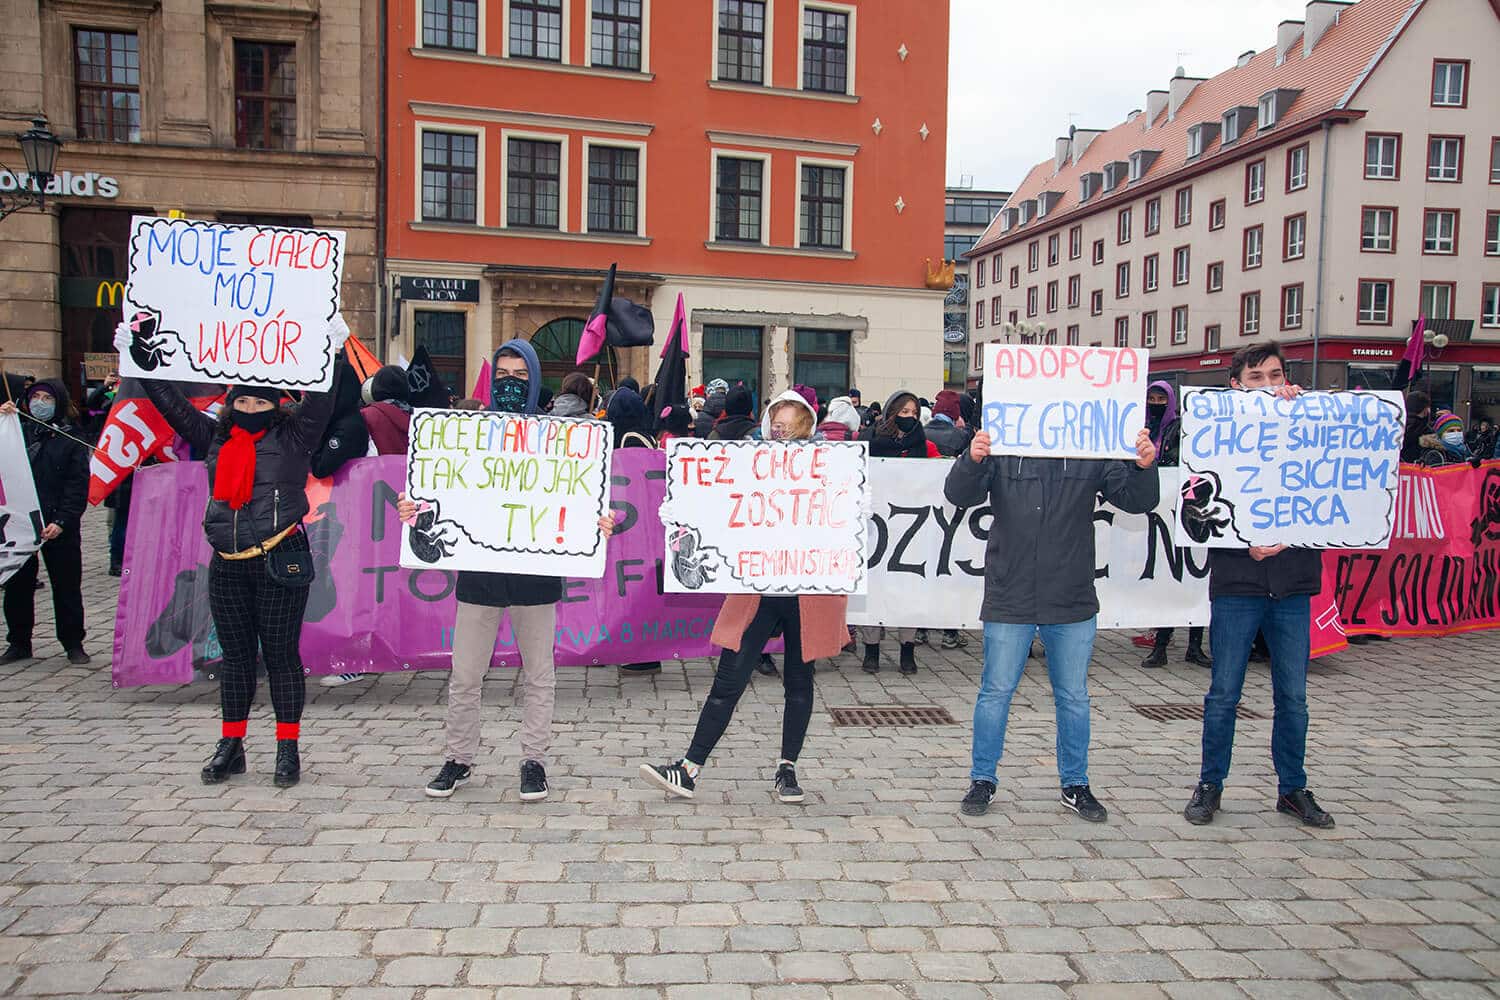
{"x":766,"y":666}
{"x":15,"y":654}
{"x":908,"y":657}
{"x":1158,"y":655}
{"x":288,"y":764}
{"x":1196,"y":655}
{"x":228,"y":758}
{"x":872,"y":658}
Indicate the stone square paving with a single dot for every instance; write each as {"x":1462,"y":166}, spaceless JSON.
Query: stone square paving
{"x":125,"y":876}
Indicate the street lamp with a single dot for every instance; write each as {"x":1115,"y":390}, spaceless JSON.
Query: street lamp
{"x":39,"y":147}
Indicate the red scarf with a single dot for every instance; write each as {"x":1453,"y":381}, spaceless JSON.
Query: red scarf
{"x":234,"y":474}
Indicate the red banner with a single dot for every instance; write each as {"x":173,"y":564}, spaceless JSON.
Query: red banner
{"x":133,"y":432}
{"x":1441,"y":574}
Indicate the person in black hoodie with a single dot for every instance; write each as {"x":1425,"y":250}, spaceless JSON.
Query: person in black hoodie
{"x":60,"y":467}
{"x":735,"y":423}
{"x":257,"y":463}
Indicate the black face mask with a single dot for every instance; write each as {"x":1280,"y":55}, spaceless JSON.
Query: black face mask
{"x":252,"y":423}
{"x":1156,"y":410}
{"x":509,"y":394}
{"x":906,"y":424}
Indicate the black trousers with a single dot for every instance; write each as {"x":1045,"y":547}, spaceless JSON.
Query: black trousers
{"x":255,"y":614}
{"x":1195,"y":637}
{"x":64,"y":558}
{"x":734,"y":673}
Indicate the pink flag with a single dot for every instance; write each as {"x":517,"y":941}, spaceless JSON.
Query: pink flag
{"x":678,"y":333}
{"x":482,"y":385}
{"x":1409,"y":368}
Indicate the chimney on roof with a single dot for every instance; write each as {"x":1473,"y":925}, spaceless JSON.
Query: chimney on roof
{"x":1064,"y":149}
{"x":1156,"y":103}
{"x":1287,"y":33}
{"x":1134,"y":114}
{"x":1244,"y":59}
{"x":1181,"y":86}
{"x":1082,"y":139}
{"x":1321,"y":15}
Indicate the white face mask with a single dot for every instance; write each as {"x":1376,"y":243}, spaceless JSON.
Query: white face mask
{"x":1453,"y":437}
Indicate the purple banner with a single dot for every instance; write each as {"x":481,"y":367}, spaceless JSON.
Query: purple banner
{"x":366,"y":613}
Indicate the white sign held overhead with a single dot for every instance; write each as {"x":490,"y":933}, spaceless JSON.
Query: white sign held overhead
{"x":1052,"y":401}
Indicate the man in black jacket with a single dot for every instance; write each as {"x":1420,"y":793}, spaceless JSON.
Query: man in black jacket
{"x":1265,"y":589}
{"x":1039,"y":576}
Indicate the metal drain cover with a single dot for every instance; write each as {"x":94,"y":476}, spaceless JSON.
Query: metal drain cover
{"x":892,"y":715}
{"x":1186,"y":711}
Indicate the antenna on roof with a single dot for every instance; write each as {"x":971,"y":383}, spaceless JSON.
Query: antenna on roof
{"x":1181,"y":71}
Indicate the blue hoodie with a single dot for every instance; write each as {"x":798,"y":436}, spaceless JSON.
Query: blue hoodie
{"x":523,"y":350}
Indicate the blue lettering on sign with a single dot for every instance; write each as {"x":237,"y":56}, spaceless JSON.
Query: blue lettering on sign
{"x":1298,"y":511}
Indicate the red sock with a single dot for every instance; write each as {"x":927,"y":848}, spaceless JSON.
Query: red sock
{"x":288,"y":730}
{"x":235,"y":730}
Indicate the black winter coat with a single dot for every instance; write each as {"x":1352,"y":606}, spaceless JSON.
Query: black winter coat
{"x":279,"y":497}
{"x":733,"y":428}
{"x":950,"y":439}
{"x":60,"y":468}
{"x":1295,"y":572}
{"x":347,"y":438}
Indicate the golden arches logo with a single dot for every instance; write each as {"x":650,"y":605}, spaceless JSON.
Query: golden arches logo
{"x":115,"y":290}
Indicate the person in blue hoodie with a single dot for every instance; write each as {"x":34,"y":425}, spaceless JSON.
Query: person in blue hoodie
{"x":1165,"y":425}
{"x":483,"y":599}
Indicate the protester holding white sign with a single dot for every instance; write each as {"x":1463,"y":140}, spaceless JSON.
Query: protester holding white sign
{"x":1039,"y":576}
{"x":211,"y":301}
{"x":1057,"y":401}
{"x":728,"y":502}
{"x":499,"y":488}
{"x":20,"y":512}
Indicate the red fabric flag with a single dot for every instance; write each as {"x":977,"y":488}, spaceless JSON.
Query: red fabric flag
{"x":135,"y":431}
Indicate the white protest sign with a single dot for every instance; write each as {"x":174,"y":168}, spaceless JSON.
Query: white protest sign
{"x":20,"y":513}
{"x":1054,"y":401}
{"x":926,"y":558}
{"x":215,"y":302}
{"x":1318,"y":471}
{"x":507,"y":493}
{"x":766,"y":517}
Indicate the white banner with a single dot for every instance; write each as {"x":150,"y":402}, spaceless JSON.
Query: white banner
{"x":926,"y":558}
{"x":1318,"y":471}
{"x":507,"y":493}
{"x":1053,"y":401}
{"x":20,"y":513}
{"x":766,"y":517}
{"x":214,"y":302}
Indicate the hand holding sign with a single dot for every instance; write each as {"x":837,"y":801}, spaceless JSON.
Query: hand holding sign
{"x":1145,"y":449}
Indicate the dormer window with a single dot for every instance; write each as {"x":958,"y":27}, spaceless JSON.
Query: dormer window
{"x":1273,"y":105}
{"x":1008,"y":219}
{"x":1088,"y":185}
{"x":1046,"y":202}
{"x":1236,"y":120}
{"x":1028,"y":210}
{"x":1199,"y":138}
{"x":1140,"y":162}
{"x":1114,"y":175}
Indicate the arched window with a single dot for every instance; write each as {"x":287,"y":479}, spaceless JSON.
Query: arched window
{"x":556,"y":345}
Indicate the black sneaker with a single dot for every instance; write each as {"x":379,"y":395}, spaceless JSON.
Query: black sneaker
{"x":1079,"y":799}
{"x":766,"y":666}
{"x":1302,"y":805}
{"x":952,"y":639}
{"x":787,"y":789}
{"x":15,"y":654}
{"x":448,"y":779}
{"x":1156,"y":658}
{"x":533,"y":781}
{"x":977,"y":802}
{"x":670,"y":778}
{"x":1200,"y":811}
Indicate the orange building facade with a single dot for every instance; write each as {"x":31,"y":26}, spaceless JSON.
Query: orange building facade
{"x":780,"y":164}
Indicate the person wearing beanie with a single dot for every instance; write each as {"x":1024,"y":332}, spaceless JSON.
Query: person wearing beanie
{"x":735,"y":423}
{"x":947,"y":428}
{"x":677,"y":422}
{"x":483,"y":599}
{"x":60,"y":468}
{"x":258,"y":457}
{"x":842,"y":422}
{"x":1447,"y":439}
{"x":808,"y":393}
{"x":387,"y":413}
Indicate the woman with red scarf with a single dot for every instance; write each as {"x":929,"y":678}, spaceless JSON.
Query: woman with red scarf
{"x":257,"y":456}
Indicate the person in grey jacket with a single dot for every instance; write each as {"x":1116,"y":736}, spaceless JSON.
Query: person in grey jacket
{"x":1039,"y":576}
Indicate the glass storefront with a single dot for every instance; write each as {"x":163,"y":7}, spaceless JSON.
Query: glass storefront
{"x":1484,"y":395}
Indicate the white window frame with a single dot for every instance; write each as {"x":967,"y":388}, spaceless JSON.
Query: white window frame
{"x":1448,"y":290}
{"x":1489,"y":306}
{"x":765,"y":48}
{"x":1220,"y":286}
{"x":424,"y":125}
{"x":1122,"y":279}
{"x":1260,"y":248}
{"x":1150,"y":272}
{"x":1303,"y":151}
{"x":1179,"y":333}
{"x":1265,"y":111}
{"x":848,"y":168}
{"x":1369,"y":317}
{"x":588,"y":38}
{"x":1438,"y":240}
{"x":1195,"y":142}
{"x":1381,"y":140}
{"x":1292,"y":320}
{"x":507,"y":134}
{"x":1254,"y":194}
{"x":567,"y":21}
{"x":1075,"y":291}
{"x":1184,"y":274}
{"x":589,"y":142}
{"x":802,"y":5}
{"x":1153,"y":203}
{"x":1125,"y":340}
{"x":1463,"y":82}
{"x":714,"y":155}
{"x":1492,"y":234}
{"x":1148,"y":330}
{"x":478,"y":42}
{"x":1294,"y":222}
{"x":1388,"y":245}
{"x":1442,"y":166}
{"x":1250,"y":327}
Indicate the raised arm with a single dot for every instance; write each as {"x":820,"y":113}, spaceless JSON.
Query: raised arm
{"x":968,"y":482}
{"x":195,"y":426}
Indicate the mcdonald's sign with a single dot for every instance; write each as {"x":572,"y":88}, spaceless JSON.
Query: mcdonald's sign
{"x":114,"y":289}
{"x":91,"y":293}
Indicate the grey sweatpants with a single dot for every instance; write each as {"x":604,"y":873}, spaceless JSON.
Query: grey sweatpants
{"x":474,"y":632}
{"x":870,"y":635}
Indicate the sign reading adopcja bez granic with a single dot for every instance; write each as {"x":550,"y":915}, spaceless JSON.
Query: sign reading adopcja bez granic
{"x":505,"y":492}
{"x":1053,"y":401}
{"x":766,"y":517}
{"x":1317,"y":471}
{"x":214,"y":302}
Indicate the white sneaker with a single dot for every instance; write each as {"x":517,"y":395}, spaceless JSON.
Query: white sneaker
{"x":339,"y":680}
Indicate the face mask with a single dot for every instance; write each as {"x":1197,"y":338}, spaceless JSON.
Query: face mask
{"x":778,"y":434}
{"x":252,"y":423}
{"x":1453,"y":437}
{"x":509,"y":394}
{"x":1156,"y":410}
{"x":43,"y":410}
{"x":906,"y":424}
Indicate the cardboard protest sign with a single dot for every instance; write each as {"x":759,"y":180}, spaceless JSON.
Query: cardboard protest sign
{"x":766,"y":517}
{"x":1052,"y":401}
{"x":507,"y":493}
{"x":20,"y":513}
{"x":210,"y":301}
{"x":1317,"y":471}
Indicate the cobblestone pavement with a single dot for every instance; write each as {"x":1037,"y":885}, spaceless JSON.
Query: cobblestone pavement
{"x":123,"y":875}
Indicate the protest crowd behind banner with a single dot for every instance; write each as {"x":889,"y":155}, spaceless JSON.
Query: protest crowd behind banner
{"x":1051,"y":401}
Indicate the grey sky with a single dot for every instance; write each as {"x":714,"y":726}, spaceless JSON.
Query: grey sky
{"x":1017,"y":69}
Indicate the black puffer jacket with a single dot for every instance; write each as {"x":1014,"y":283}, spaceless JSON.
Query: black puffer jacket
{"x":346,"y":436}
{"x":279,"y":497}
{"x":59,"y":466}
{"x":950,"y":439}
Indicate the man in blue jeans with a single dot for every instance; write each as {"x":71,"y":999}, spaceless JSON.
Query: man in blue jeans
{"x":1039,"y":576}
{"x":1267,"y":588}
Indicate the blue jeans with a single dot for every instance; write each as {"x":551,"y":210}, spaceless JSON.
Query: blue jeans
{"x":1231,"y":631}
{"x":1069,"y":648}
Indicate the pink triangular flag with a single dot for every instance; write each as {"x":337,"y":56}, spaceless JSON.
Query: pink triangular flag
{"x":678,"y":332}
{"x":482,"y":385}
